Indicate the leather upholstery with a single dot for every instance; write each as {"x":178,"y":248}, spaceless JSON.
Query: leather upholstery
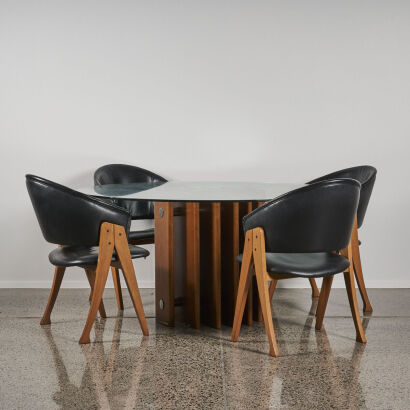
{"x":125,"y":174}
{"x":366,"y":175}
{"x":305,"y":265}
{"x":69,"y":217}
{"x":86,"y":256}
{"x":139,"y":235}
{"x":315,"y":218}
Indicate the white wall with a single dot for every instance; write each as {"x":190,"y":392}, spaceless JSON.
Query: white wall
{"x":224,"y":90}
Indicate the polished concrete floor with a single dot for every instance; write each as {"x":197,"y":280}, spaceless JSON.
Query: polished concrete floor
{"x":178,"y":368}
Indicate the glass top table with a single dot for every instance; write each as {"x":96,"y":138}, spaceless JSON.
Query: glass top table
{"x":193,"y":191}
{"x":198,"y":234}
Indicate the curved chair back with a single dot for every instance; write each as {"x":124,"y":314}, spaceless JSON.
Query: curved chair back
{"x":366,"y":175}
{"x":127,"y":174}
{"x":68,"y":217}
{"x":315,"y":218}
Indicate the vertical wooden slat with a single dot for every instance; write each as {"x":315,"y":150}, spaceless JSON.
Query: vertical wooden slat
{"x":192,"y":300}
{"x":216,"y":264}
{"x":210,"y":263}
{"x":164,"y":262}
{"x":229,"y":252}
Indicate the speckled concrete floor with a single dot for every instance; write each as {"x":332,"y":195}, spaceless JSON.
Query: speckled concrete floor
{"x":178,"y":368}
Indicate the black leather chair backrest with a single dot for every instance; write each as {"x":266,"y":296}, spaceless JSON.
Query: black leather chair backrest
{"x":126,"y":174}
{"x":68,"y":217}
{"x":315,"y":218}
{"x":366,"y":175}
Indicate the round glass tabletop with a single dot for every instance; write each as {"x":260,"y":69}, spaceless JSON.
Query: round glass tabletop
{"x":193,"y":191}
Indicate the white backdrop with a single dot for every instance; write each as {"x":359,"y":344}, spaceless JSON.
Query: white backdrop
{"x":223,"y":90}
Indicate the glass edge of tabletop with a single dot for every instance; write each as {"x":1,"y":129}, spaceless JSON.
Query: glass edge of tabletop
{"x":192,"y":191}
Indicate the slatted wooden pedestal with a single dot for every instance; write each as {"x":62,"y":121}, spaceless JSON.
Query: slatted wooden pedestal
{"x":196,"y":244}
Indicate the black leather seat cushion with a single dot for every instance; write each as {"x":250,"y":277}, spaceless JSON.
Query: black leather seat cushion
{"x":83,"y":255}
{"x":139,"y":235}
{"x":305,"y":265}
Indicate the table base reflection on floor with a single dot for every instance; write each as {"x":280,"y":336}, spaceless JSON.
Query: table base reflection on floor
{"x":196,"y":244}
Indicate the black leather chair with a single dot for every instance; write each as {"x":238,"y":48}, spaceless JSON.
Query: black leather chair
{"x":304,"y":233}
{"x":366,"y":175}
{"x":91,"y":234}
{"x":125,"y":174}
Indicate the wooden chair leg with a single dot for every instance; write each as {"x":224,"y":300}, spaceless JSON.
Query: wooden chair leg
{"x":323,"y":298}
{"x":117,"y":287}
{"x":91,"y":280}
{"x":351,"y":290}
{"x":272,"y":288}
{"x":267,"y":313}
{"x":58,"y":277}
{"x":357,"y":266}
{"x":351,"y":293}
{"x":123,"y":252}
{"x":262,"y":280}
{"x":315,"y":290}
{"x":106,"y":248}
{"x":259,"y":316}
{"x":243,"y":287}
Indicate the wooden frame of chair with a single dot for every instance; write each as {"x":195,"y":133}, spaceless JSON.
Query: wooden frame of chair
{"x":116,"y":273}
{"x":357,"y":267}
{"x":254,"y":262}
{"x":58,"y":278}
{"x":112,"y":237}
{"x":315,"y":290}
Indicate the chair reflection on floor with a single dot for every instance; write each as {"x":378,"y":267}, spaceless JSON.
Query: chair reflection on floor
{"x":308,"y":371}
{"x":331,"y":379}
{"x":245,"y":387}
{"x":98,"y":387}
{"x":69,"y":395}
{"x":102,"y":376}
{"x":305,"y":373}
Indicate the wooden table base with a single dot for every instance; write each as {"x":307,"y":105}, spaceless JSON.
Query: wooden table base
{"x":195,"y":249}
